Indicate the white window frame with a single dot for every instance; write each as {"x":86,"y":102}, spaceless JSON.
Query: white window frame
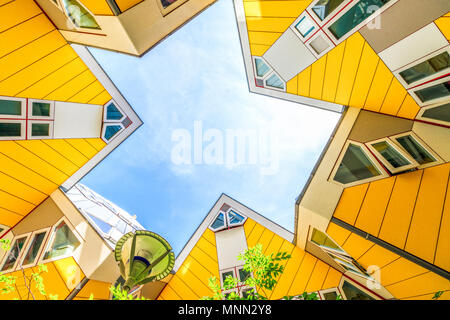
{"x":30,"y":110}
{"x":105,"y":124}
{"x":105,"y":111}
{"x":297,"y":21}
{"x":356,"y":28}
{"x":438,"y":159}
{"x":383,"y":174}
{"x":226,"y":220}
{"x":327,"y":19}
{"x":50,"y":129}
{"x":417,"y":62}
{"x":413,"y":91}
{"x":412,"y":163}
{"x":327,"y":40}
{"x":422,"y":111}
{"x":23,"y":111}
{"x":90,"y":30}
{"x":274,"y":88}
{"x":19,"y":258}
{"x":22,"y":129}
{"x":171,"y":7}
{"x":221,"y":272}
{"x":51,"y":238}
{"x":28,"y":247}
{"x":341,"y":283}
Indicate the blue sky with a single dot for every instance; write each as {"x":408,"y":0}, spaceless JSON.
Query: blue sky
{"x":197,"y":76}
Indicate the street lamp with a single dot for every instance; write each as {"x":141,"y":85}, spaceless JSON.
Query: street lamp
{"x":143,"y":257}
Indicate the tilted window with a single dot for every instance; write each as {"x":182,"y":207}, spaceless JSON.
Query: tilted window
{"x":63,"y":242}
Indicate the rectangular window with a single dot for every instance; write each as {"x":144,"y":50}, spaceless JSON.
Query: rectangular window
{"x":353,"y":293}
{"x":426,"y":68}
{"x":10,"y":129}
{"x":41,"y":109}
{"x":305,"y":26}
{"x":40,"y":129}
{"x":14,"y":253}
{"x":319,"y":44}
{"x":63,"y":242}
{"x":243,"y":275}
{"x":321,"y":239}
{"x":354,"y":16}
{"x":355,"y":166}
{"x":391,"y":156}
{"x":438,"y":91}
{"x":227,"y":274}
{"x":332,"y":295}
{"x":440,"y":113}
{"x":33,"y":249}
{"x":324,"y":8}
{"x":10,"y":107}
{"x":415,"y":149}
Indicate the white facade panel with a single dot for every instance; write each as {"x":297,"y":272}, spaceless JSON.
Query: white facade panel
{"x":230,"y":243}
{"x":288,"y":55}
{"x":75,"y":120}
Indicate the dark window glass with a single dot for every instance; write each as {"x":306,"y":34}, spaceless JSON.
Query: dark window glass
{"x":355,"y":166}
{"x":354,"y":16}
{"x":166,"y":3}
{"x":353,"y":293}
{"x":235,"y":218}
{"x":10,"y":129}
{"x":113,"y":113}
{"x":41,"y":109}
{"x":227,"y":274}
{"x":32,"y":253}
{"x":435,"y":92}
{"x":219,"y":222}
{"x":10,"y":108}
{"x":441,"y":113}
{"x":330,"y":295}
{"x":426,"y":68}
{"x":243,"y":275}
{"x":14,"y":253}
{"x":390,"y":154}
{"x":323,"y":8}
{"x":40,"y":129}
{"x":111,"y":131}
{"x":247,"y":292}
{"x":416,"y":151}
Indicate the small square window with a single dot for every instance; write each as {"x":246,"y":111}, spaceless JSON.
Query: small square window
{"x":227,"y":274}
{"x":319,"y":45}
{"x":243,"y":275}
{"x":40,"y":129}
{"x":41,"y":109}
{"x":10,"y":129}
{"x":305,"y":26}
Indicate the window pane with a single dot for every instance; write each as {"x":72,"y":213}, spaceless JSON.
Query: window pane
{"x":355,"y":166}
{"x":10,"y":129}
{"x":419,"y":153}
{"x":243,"y":275}
{"x":275,"y":82}
{"x":330,"y":295}
{"x":166,"y":3}
{"x":390,"y":154}
{"x":112,"y":113}
{"x":34,"y":248}
{"x":441,"y":113}
{"x":322,"y":239}
{"x":305,"y":26}
{"x":319,"y":45}
{"x":261,"y":67}
{"x":219,"y":222}
{"x":247,"y":292}
{"x":111,"y":131}
{"x":355,"y":15}
{"x":426,"y":68}
{"x":324,"y":7}
{"x":14,"y":253}
{"x":353,"y":293}
{"x":226,"y":274}
{"x":64,"y":242}
{"x":234,"y":218}
{"x":41,"y":109}
{"x":40,"y":129}
{"x":10,"y":107}
{"x":79,"y":15}
{"x":438,"y":91}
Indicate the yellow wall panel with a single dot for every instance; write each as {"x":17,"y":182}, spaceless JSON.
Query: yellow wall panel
{"x":23,"y":33}
{"x":21,"y":190}
{"x":409,"y":108}
{"x":253,"y":237}
{"x":379,"y":87}
{"x":338,"y":233}
{"x":200,"y":286}
{"x":16,"y":12}
{"x":207,"y":248}
{"x":88,"y":93}
{"x":9,"y":218}
{"x":168,"y":294}
{"x":124,"y":5}
{"x":378,"y":256}
{"x":265,"y":239}
{"x":356,"y":246}
{"x":82,"y":146}
{"x":98,"y":7}
{"x":394,"y":98}
{"x":209,"y":236}
{"x":400,"y":209}
{"x":264,"y":38}
{"x":350,"y":203}
{"x":99,"y":290}
{"x":399,"y":270}
{"x":275,"y":8}
{"x":62,"y":147}
{"x":304,"y":80}
{"x":101,"y":99}
{"x":442,"y":258}
{"x":258,"y":49}
{"x":332,"y":72}
{"x":317,"y":77}
{"x":72,"y":87}
{"x":423,"y":233}
{"x":271,"y":24}
{"x":199,"y":270}
{"x":292,"y":86}
{"x":444,"y":25}
{"x":318,"y":276}
{"x":14,"y":204}
{"x":69,"y":271}
{"x":274,"y":245}
{"x":249,"y":224}
{"x":427,"y":283}
{"x":182,"y":290}
{"x":303,"y":274}
{"x":206,"y":261}
{"x":374,"y":206}
{"x":54,"y":284}
{"x":43,"y":151}
{"x":350,"y":64}
{"x":366,"y":72}
{"x":97,"y":143}
{"x":332,"y":280}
